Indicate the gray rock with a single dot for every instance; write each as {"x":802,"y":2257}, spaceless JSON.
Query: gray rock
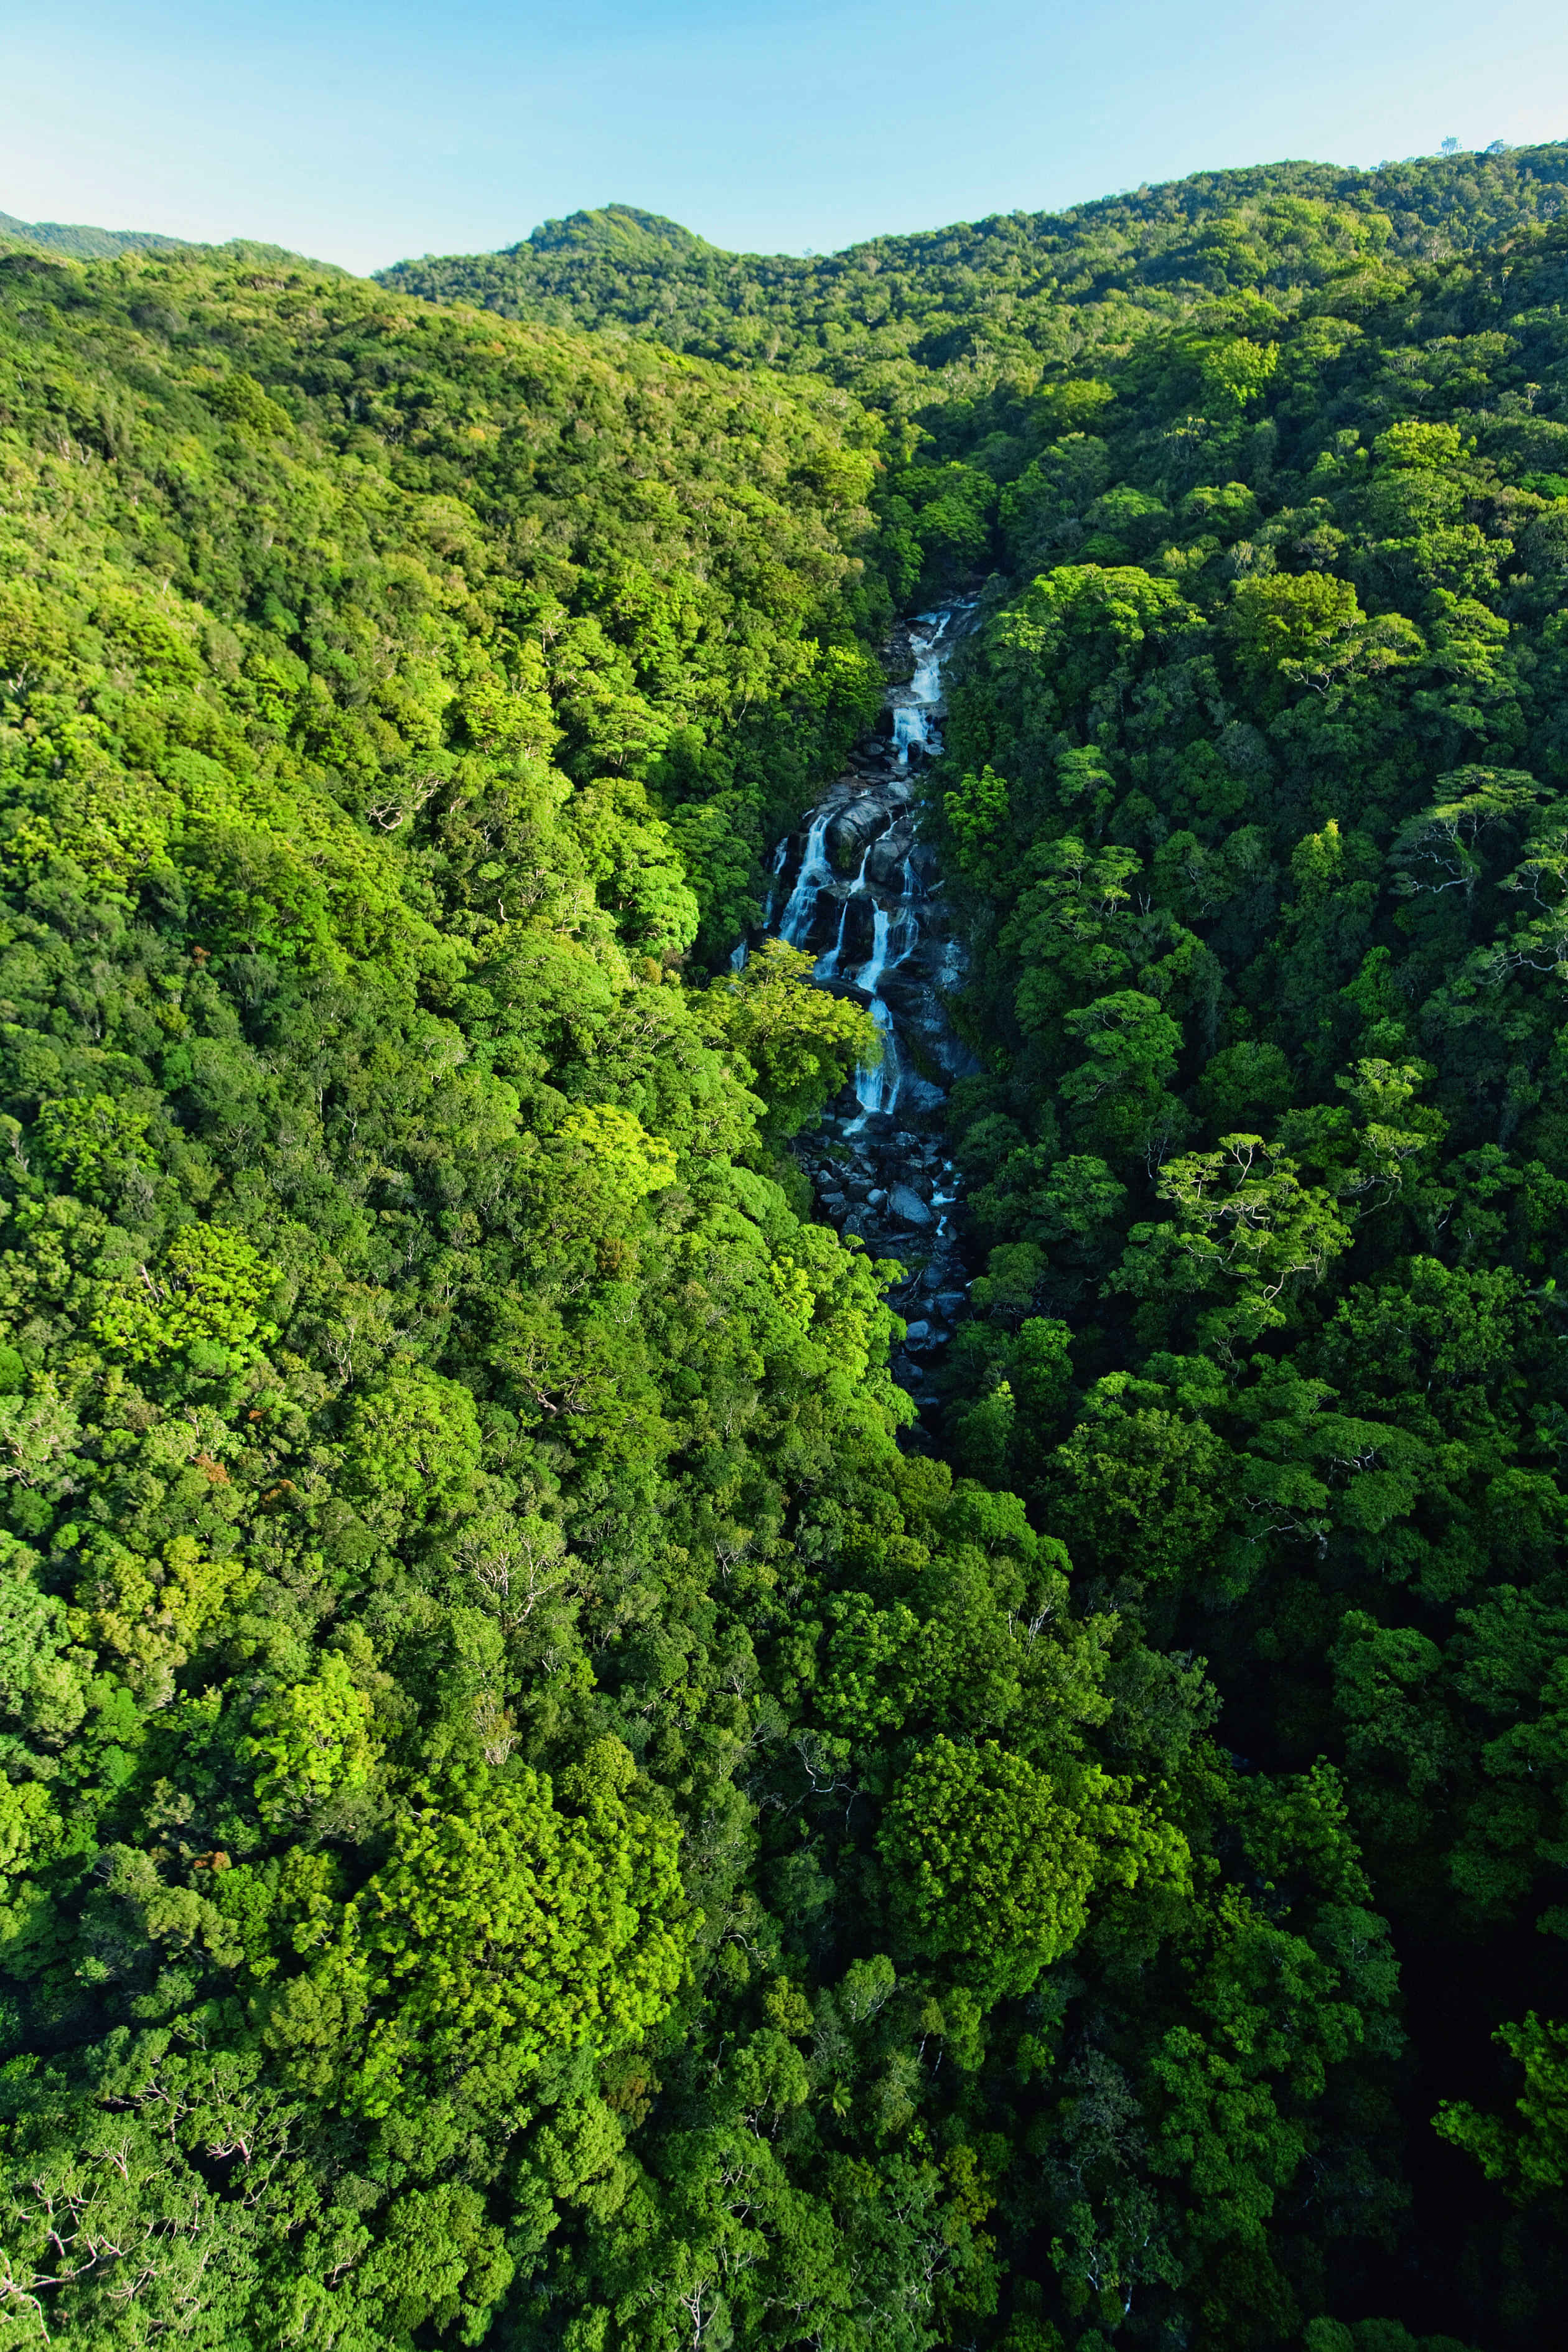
{"x":877,"y":1199}
{"x":919,"y":1335}
{"x":905,"y":1203}
{"x":949,"y":1303}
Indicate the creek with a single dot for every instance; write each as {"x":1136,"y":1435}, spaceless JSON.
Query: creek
{"x":856,"y":887}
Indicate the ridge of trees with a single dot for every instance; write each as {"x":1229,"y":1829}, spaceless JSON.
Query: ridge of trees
{"x":79,"y":242}
{"x":944,"y":314}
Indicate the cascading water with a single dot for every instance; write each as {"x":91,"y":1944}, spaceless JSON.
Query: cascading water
{"x":814,"y":870}
{"x":827,"y":965}
{"x":880,"y":938}
{"x":781,"y":858}
{"x":929,"y":641}
{"x":870,"y":973}
{"x":876,"y":1089}
{"x":908,"y":732}
{"x":879,"y":1089}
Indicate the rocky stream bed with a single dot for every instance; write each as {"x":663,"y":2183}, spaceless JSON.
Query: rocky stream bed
{"x":854,"y":886}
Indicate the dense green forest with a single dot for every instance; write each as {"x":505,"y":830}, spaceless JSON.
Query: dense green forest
{"x":902,"y":321}
{"x":537,"y":1811}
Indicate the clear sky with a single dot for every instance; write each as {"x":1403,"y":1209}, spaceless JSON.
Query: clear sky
{"x":363,"y":132}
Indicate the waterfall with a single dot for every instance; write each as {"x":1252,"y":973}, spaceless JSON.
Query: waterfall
{"x":814,"y":870}
{"x":876,"y":1162}
{"x":869,"y":975}
{"x":926,"y":684}
{"x":898,"y":935}
{"x":912,"y":725}
{"x":898,"y":905}
{"x":777,"y":868}
{"x":827,"y":965}
{"x":909,"y":731}
{"x":876,"y":1089}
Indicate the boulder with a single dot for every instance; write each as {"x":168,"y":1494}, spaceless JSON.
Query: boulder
{"x":905,"y":1203}
{"x":851,"y":830}
{"x":886,"y":859}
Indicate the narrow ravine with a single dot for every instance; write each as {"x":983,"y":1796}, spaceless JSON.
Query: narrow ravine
{"x":857,"y":887}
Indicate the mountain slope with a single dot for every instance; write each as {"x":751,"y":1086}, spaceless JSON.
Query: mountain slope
{"x":526,"y":1818}
{"x":524,"y":1812}
{"x":905,"y":319}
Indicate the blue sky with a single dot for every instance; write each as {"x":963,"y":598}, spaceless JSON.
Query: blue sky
{"x":362,"y":133}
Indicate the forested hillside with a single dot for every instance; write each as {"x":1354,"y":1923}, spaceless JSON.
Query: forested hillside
{"x":903,"y":320}
{"x":533,"y":1815}
{"x":1255,"y":804}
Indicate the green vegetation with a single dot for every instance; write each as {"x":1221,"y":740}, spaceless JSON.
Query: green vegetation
{"x":84,"y":244}
{"x":943,"y":315}
{"x":1253,"y":810}
{"x":529,"y":1817}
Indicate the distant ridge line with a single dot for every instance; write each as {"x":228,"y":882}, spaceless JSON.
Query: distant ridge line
{"x":78,"y":242}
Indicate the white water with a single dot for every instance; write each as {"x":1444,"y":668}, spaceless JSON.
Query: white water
{"x":870,"y":973}
{"x":910,"y":730}
{"x":779,"y":855}
{"x":897,"y":922}
{"x":882,"y":940}
{"x":814,"y":870}
{"x":877,"y":1090}
{"x":913,"y":726}
{"x":827,"y":965}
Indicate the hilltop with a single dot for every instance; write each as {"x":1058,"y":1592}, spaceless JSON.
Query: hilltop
{"x":1019,"y":290}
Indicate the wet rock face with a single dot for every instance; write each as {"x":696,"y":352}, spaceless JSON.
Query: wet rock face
{"x":890,"y":861}
{"x":907,"y":1205}
{"x":857,"y":890}
{"x":861,"y":822}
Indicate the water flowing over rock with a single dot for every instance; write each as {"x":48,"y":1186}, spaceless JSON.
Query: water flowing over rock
{"x":857,"y":887}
